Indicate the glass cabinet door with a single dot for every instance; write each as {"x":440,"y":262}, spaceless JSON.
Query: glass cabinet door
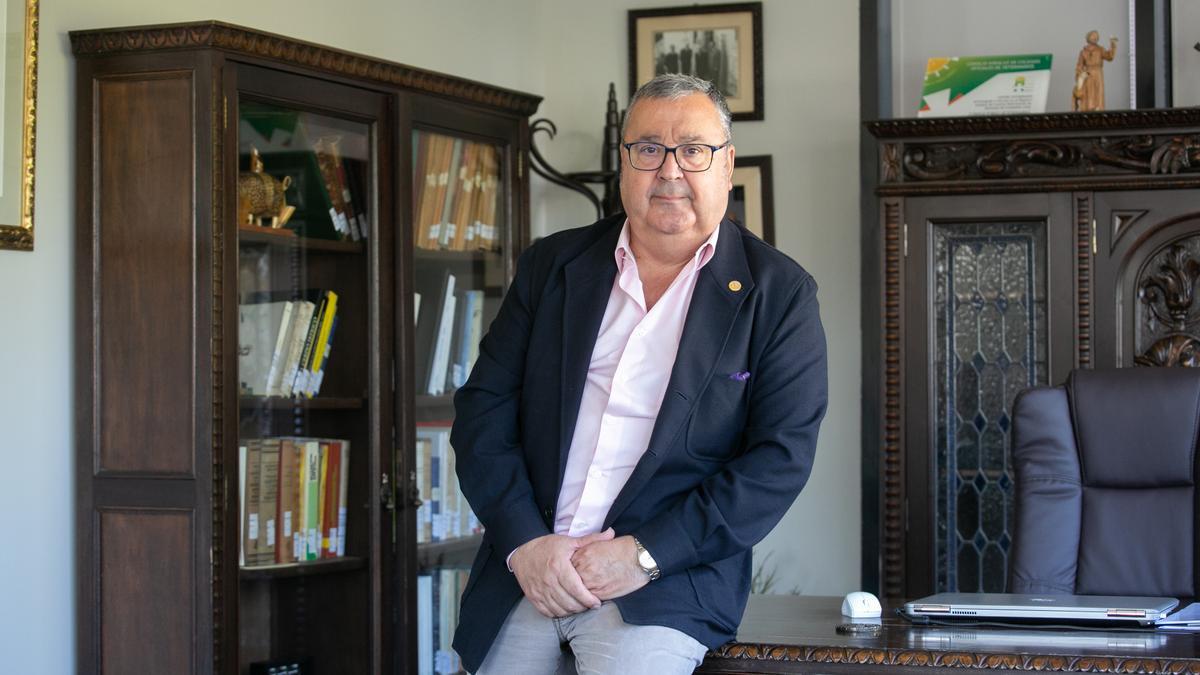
{"x":305,"y":214}
{"x":460,"y":239}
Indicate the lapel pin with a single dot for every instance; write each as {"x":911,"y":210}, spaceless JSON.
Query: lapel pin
{"x":735,"y":285}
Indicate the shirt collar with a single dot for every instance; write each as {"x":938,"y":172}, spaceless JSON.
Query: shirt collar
{"x":701,"y":258}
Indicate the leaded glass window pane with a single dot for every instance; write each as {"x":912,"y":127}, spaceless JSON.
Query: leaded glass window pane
{"x":990,"y":343}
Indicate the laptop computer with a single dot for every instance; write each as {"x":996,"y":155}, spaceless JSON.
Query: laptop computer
{"x":1022,"y":608}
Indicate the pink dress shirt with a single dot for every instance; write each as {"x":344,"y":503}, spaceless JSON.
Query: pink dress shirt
{"x":626,"y":381}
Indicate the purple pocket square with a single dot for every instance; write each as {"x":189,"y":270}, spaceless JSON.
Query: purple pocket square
{"x":740,"y":376}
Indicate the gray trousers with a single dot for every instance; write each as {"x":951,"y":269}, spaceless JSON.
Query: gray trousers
{"x":595,"y":642}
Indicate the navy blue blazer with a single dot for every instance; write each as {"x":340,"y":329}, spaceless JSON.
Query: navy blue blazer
{"x":727,"y":456}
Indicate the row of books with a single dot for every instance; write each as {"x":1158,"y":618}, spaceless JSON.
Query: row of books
{"x":293,"y":499}
{"x":284,"y":345}
{"x":438,"y":596}
{"x":448,"y":335}
{"x":444,"y":512}
{"x":457,"y":192}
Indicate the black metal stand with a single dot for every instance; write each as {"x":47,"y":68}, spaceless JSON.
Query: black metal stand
{"x":610,"y":161}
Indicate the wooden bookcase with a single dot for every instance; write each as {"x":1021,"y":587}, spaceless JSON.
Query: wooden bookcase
{"x":179,"y":313}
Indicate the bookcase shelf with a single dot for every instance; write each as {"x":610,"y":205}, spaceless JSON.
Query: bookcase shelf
{"x":438,"y":256}
{"x":316,"y":403}
{"x":247,"y":236}
{"x":435,"y":408}
{"x":176,"y":313}
{"x":303,"y":569}
{"x":458,"y":552}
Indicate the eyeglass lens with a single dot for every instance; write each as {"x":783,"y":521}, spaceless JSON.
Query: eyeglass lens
{"x":690,"y":157}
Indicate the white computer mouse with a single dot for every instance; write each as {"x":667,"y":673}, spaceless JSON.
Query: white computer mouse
{"x":861,"y":605}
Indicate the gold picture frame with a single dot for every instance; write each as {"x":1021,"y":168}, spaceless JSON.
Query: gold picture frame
{"x":719,"y":43}
{"x":18,"y":116}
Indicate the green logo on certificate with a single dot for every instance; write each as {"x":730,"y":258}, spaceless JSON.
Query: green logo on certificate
{"x":985,"y":85}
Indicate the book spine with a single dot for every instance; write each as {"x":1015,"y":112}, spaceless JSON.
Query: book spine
{"x":343,"y":486}
{"x":268,"y":493}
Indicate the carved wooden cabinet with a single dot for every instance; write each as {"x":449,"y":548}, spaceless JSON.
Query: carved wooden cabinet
{"x":171,"y":277}
{"x":1012,"y":250}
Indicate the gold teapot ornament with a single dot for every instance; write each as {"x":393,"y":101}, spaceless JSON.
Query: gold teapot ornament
{"x":260,"y":196}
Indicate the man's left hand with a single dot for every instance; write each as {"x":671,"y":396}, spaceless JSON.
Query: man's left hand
{"x":609,"y":568}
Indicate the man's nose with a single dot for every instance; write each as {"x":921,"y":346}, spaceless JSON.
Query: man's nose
{"x":670,"y":167}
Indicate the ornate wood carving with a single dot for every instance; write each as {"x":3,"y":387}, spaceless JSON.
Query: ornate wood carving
{"x":1025,"y":158}
{"x":1122,"y":221}
{"x":218,"y":384}
{"x":1010,"y":124}
{"x":258,"y":44}
{"x":1083,"y":277}
{"x":1168,"y":315}
{"x":741,"y":652}
{"x":889,"y":162}
{"x":892,"y":461}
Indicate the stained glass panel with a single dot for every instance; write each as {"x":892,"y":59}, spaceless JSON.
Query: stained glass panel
{"x":990,"y":343}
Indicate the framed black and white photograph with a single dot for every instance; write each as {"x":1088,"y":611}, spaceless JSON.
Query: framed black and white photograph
{"x":752,"y":200}
{"x":718,"y":43}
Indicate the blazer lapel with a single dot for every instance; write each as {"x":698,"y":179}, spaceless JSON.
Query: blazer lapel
{"x":710,"y":318}
{"x":588,"y":281}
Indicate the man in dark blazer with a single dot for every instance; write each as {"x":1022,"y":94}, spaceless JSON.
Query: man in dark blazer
{"x":644,"y":410}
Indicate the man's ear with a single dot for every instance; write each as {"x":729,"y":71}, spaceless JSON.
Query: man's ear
{"x":729,"y":171}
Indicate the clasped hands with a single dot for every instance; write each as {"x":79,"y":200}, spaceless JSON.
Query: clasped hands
{"x":564,"y":575}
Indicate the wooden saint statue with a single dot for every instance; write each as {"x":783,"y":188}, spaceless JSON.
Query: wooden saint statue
{"x":1088,"y":93}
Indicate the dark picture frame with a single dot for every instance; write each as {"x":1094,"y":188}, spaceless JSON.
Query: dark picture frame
{"x":752,"y":199}
{"x":720,"y":43}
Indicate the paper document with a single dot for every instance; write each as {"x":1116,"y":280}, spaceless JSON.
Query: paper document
{"x":1186,"y":619}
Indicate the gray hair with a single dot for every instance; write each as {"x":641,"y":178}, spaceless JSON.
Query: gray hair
{"x":675,"y":86}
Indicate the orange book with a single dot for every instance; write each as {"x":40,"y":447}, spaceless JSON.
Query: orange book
{"x":288,"y":519}
{"x":329,"y":179}
{"x":332,"y":468}
{"x":441,"y":172}
{"x":428,"y":179}
{"x":465,"y":196}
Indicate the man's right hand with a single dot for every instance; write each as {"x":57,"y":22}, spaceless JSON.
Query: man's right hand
{"x":543,"y":568}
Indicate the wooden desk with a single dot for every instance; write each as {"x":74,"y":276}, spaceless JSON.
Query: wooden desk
{"x":797,"y":634}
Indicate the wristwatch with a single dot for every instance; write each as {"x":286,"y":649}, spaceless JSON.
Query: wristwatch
{"x":646,"y":561}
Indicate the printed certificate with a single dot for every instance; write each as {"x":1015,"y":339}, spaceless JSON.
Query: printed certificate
{"x":985,"y":85}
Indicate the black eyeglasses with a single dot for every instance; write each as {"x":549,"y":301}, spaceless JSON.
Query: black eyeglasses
{"x":693,"y":157}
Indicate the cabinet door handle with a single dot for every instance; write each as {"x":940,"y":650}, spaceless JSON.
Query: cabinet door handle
{"x":414,"y":493}
{"x":386,"y":495}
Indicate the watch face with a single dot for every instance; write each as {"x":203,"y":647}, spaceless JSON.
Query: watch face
{"x":645,"y":559}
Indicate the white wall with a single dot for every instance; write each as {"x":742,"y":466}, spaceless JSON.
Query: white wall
{"x":1185,"y":59}
{"x":566,"y":50}
{"x":925,"y":28}
{"x":811,"y":132}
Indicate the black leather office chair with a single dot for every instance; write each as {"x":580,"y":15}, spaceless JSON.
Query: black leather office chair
{"x":1106,"y":484}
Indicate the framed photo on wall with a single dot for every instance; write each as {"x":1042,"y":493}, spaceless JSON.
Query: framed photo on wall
{"x":752,"y":201}
{"x":719,"y":43}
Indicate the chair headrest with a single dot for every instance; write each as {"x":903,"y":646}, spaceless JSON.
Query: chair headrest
{"x":1136,"y":427}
